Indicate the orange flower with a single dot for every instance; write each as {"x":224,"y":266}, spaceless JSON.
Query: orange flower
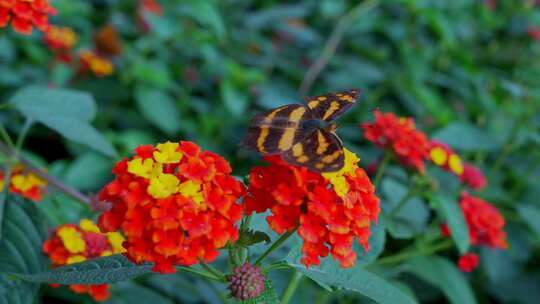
{"x":468,"y":262}
{"x":91,"y":61}
{"x":72,"y":243}
{"x":175,"y":203}
{"x":400,"y":136}
{"x":329,"y":209}
{"x":26,"y":184}
{"x":25,"y":14}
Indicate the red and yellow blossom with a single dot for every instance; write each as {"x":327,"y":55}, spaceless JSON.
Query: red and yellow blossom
{"x":330,"y":210}
{"x":399,"y":135}
{"x":72,"y":243}
{"x":60,"y":38}
{"x":175,"y":203}
{"x":468,"y":262}
{"x":26,"y":184}
{"x":473,"y":177}
{"x":97,"y":64}
{"x":26,"y":14}
{"x":443,"y":156}
{"x":485,"y":223}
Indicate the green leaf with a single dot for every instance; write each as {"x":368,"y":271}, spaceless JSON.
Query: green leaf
{"x":158,"y":108}
{"x":531,"y":216}
{"x":89,"y":171}
{"x":443,"y":274}
{"x":451,"y":212}
{"x":66,"y":111}
{"x":104,"y":270}
{"x":463,"y":136}
{"x":377,"y":241}
{"x":24,"y":231}
{"x":131,"y":292}
{"x":268,"y":296}
{"x":233,"y":99}
{"x":251,"y":237}
{"x":356,"y":279}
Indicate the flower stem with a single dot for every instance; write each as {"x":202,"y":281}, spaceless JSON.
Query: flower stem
{"x":291,"y":288}
{"x":382,"y":167}
{"x":408,"y":254}
{"x":22,"y":135}
{"x":200,"y":272}
{"x":213,"y":271}
{"x":275,"y":246}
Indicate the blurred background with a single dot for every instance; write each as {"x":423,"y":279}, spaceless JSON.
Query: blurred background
{"x":468,"y":71}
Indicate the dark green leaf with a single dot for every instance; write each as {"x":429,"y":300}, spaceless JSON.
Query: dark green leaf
{"x":356,"y":279}
{"x":443,"y":274}
{"x":65,"y":111}
{"x":97,"y":271}
{"x":531,"y":216}
{"x":159,"y":108}
{"x":251,"y":237}
{"x":234,"y":100}
{"x":463,"y":136}
{"x":451,"y":212}
{"x":89,"y":171}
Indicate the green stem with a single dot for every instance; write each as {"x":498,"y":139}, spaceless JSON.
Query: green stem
{"x":408,"y":254}
{"x":6,"y":137}
{"x":3,"y":195}
{"x":275,"y":246}
{"x":382,"y":167}
{"x":291,"y":288}
{"x":22,"y":135}
{"x":213,"y":271}
{"x":276,"y":266}
{"x":200,"y":272}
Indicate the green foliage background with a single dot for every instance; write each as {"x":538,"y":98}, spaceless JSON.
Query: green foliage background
{"x":469,"y":75}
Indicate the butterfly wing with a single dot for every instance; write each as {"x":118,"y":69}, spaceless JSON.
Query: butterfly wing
{"x":321,"y":151}
{"x":277,"y":130}
{"x":330,"y":106}
{"x":108,"y":41}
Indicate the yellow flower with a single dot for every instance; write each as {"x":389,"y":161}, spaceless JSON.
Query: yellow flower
{"x":35,"y":180}
{"x":163,"y":186}
{"x":75,"y":259}
{"x":72,"y":239}
{"x":146,"y":169}
{"x":455,"y":164}
{"x":167,"y":153}
{"x":88,"y":225}
{"x":1,"y":184}
{"x":337,"y":179}
{"x":116,"y":239}
{"x":106,"y":253}
{"x":21,"y":183}
{"x":438,"y":156}
{"x":192,"y":190}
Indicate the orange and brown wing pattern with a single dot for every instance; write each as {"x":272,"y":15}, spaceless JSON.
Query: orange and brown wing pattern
{"x":277,"y":130}
{"x":108,"y":41}
{"x":321,"y":151}
{"x":330,"y":106}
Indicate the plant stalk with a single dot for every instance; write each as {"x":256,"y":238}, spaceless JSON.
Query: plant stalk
{"x":291,"y":288}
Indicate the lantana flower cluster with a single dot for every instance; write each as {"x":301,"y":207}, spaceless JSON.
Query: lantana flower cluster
{"x":175,"y":203}
{"x":95,"y":63}
{"x":61,"y":41}
{"x":486,"y":228}
{"x":26,"y":14}
{"x":72,"y":243}
{"x":26,"y":184}
{"x":330,"y":210}
{"x":400,"y":136}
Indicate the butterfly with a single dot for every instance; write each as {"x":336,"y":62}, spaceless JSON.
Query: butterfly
{"x":108,"y":41}
{"x":303,"y":134}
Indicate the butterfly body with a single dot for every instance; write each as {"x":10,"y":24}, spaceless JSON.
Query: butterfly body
{"x":303,"y":133}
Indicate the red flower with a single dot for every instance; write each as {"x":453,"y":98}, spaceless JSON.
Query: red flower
{"x":330,"y":210}
{"x":175,"y":203}
{"x":400,"y":136}
{"x":534,"y":33}
{"x":468,"y":262}
{"x":61,"y":40}
{"x":473,"y":177}
{"x":26,"y":14}
{"x":97,"y":64}
{"x":485,"y":222}
{"x":72,"y":243}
